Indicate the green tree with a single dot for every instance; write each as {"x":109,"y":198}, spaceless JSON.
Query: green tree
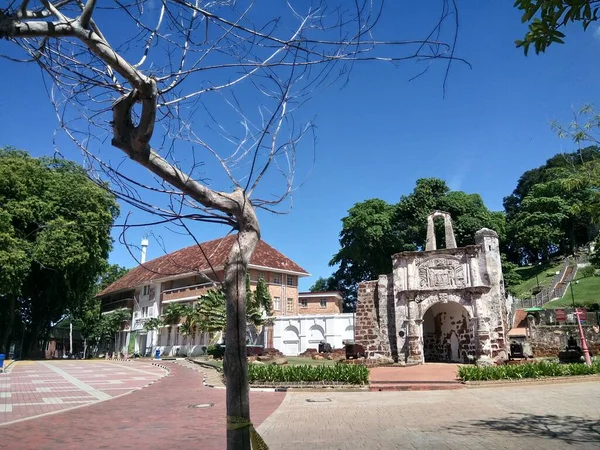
{"x":210,"y":311}
{"x":112,"y":273}
{"x":549,"y":213}
{"x":545,"y":18}
{"x":259,"y":308}
{"x":324,"y":285}
{"x":55,"y":229}
{"x":111,"y":323}
{"x":368,"y":238}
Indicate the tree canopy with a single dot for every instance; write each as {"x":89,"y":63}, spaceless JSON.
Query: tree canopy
{"x":55,"y":233}
{"x":545,"y":19}
{"x":547,"y":214}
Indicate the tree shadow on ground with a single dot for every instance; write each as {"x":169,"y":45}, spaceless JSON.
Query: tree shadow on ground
{"x":568,"y":429}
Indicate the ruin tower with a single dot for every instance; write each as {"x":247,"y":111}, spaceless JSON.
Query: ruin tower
{"x":441,"y":304}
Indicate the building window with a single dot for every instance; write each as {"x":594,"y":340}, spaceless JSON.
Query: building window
{"x":290,"y":305}
{"x":261,"y":275}
{"x":290,"y":280}
{"x":145,"y":290}
{"x":323,"y":303}
{"x":159,"y":331}
{"x":276,"y":278}
{"x":144,"y":311}
{"x":303,"y":303}
{"x":168,"y":336}
{"x":176,"y":340}
{"x":276,"y":303}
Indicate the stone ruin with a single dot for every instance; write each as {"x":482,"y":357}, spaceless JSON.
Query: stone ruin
{"x":438,"y":305}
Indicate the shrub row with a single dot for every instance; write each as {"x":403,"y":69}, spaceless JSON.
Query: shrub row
{"x":528,"y":370}
{"x":339,"y":373}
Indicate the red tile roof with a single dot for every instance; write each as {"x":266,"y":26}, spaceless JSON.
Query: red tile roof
{"x":191,"y":260}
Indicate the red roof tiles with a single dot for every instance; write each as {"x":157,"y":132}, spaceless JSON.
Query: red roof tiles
{"x":192,"y":260}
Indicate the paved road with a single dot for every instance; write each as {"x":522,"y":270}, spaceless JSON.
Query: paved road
{"x":159,"y":416}
{"x":33,"y":388}
{"x":550,"y":416}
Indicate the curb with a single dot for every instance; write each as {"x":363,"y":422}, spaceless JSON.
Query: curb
{"x":530,"y":381}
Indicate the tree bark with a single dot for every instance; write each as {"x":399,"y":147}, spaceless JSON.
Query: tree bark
{"x":10,"y":319}
{"x":236,"y":371}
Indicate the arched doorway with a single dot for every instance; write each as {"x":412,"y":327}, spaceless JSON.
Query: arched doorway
{"x":447,"y":333}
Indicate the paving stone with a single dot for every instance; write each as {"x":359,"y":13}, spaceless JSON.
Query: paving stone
{"x":551,"y":416}
{"x":156,"y":417}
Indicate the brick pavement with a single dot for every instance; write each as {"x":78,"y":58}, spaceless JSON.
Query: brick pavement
{"x":40,"y":387}
{"x":547,"y":416}
{"x":156,"y":417}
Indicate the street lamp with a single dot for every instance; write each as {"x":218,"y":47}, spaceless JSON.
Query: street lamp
{"x":572,"y":296}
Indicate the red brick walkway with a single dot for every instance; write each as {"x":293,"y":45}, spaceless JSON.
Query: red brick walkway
{"x":156,"y":417}
{"x":420,"y":377}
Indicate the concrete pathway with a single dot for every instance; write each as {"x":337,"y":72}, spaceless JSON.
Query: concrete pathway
{"x":164,"y":415}
{"x":548,"y":416}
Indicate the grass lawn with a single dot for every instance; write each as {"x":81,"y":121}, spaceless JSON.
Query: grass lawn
{"x":585,"y":292}
{"x":544,"y":273}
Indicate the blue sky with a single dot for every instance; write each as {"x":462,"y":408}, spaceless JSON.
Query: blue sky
{"x":380,"y":133}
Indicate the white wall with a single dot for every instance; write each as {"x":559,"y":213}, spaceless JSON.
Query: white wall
{"x":294,"y":334}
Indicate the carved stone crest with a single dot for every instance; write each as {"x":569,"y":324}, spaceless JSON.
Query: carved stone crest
{"x":441,"y":273}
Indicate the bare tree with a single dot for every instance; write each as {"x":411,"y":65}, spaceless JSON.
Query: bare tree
{"x":186,"y":87}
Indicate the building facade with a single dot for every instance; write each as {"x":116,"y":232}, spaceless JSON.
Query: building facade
{"x":183,"y":276}
{"x":317,"y":318}
{"x":439,"y":304}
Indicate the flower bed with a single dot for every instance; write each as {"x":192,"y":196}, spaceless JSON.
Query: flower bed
{"x":333,"y":374}
{"x":528,"y":370}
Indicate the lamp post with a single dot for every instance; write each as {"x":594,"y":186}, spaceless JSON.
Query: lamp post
{"x":572,"y":296}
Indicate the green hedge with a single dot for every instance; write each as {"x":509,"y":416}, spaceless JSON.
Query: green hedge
{"x":527,"y":370}
{"x":339,"y":373}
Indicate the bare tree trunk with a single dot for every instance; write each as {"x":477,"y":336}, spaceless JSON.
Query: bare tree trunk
{"x":236,"y":370}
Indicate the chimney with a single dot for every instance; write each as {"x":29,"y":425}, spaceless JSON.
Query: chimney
{"x":144,"y":248}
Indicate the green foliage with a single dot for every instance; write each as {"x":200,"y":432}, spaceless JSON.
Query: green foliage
{"x":338,"y":373}
{"x":528,"y":370}
{"x":585,"y":272}
{"x":545,"y":17}
{"x":112,"y":273}
{"x":548,"y":213}
{"x":216,"y":351}
{"x":111,"y":323}
{"x":154,"y":323}
{"x":173,"y":313}
{"x":511,"y":276}
{"x":210,"y":312}
{"x":324,"y":285}
{"x":54,"y":240}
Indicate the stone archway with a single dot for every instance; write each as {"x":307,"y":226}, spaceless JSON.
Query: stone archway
{"x":447,"y":333}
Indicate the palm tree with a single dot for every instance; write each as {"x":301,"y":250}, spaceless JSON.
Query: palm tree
{"x":210,"y":313}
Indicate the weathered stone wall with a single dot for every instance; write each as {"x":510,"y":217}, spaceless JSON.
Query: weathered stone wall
{"x":549,"y":340}
{"x":371,"y":320}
